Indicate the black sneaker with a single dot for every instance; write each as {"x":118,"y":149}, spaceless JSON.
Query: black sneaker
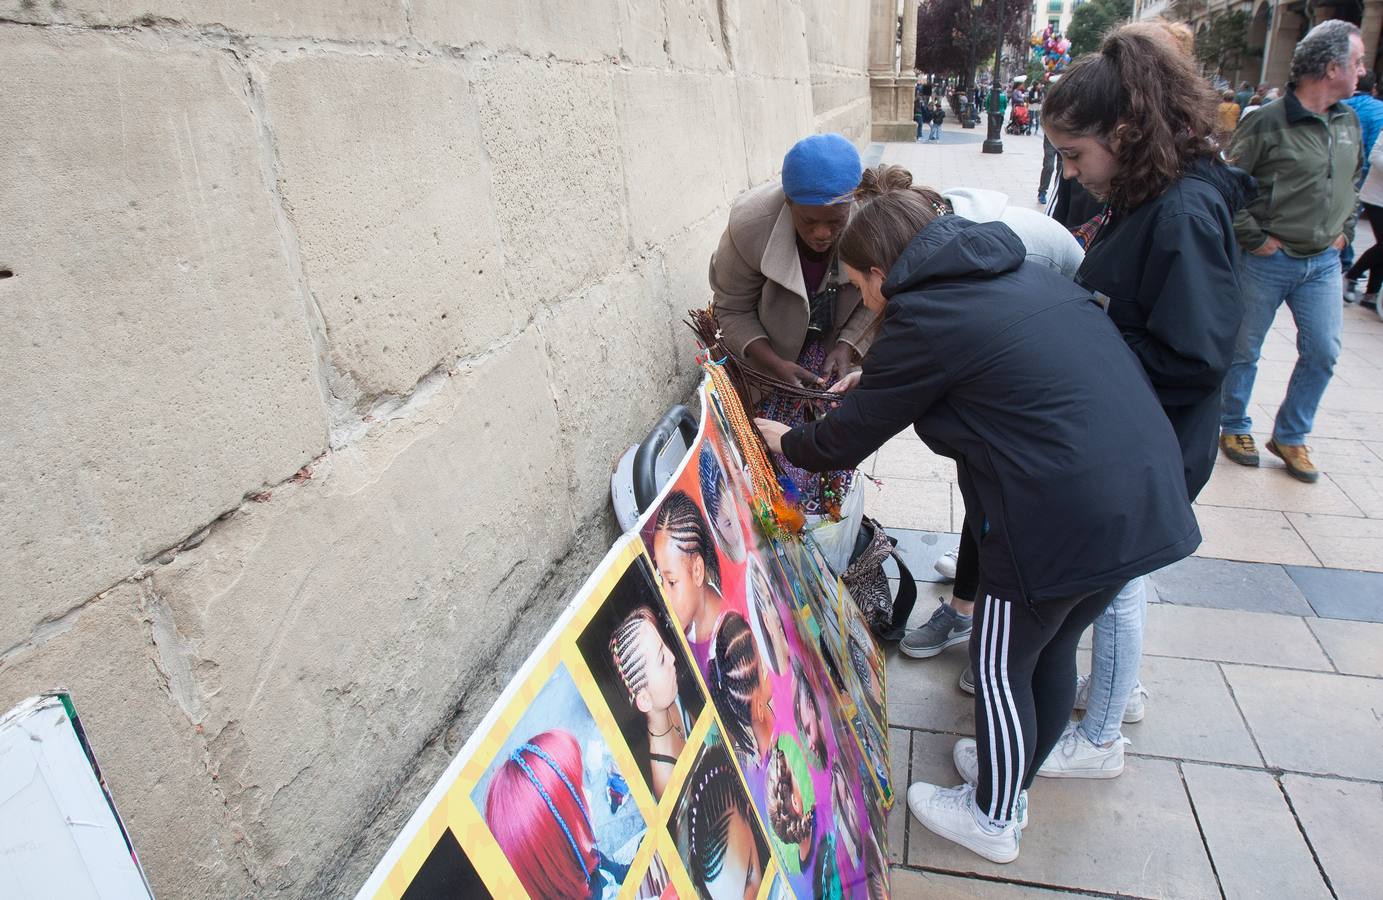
{"x":967,"y":681}
{"x":944,"y":629}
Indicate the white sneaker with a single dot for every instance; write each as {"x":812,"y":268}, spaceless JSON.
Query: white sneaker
{"x":1134,"y":710}
{"x":946,"y":565}
{"x":951,"y":813}
{"x":1075,"y":757}
{"x":966,"y":756}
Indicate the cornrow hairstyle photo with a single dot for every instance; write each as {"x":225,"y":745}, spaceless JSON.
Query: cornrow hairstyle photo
{"x":631,"y":646}
{"x":736,"y":680}
{"x":847,"y":813}
{"x":682,"y":519}
{"x":715,"y":828}
{"x":791,"y":804}
{"x":720,"y":505}
{"x":868,"y":677}
{"x":826,"y":880}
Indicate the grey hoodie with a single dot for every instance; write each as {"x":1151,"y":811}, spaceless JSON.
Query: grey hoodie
{"x":1046,"y":241}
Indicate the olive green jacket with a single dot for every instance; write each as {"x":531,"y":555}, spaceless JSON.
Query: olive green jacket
{"x":1307,"y":167}
{"x":760,"y":293}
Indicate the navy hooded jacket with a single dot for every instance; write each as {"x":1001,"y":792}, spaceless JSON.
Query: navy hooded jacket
{"x":1013,"y":371}
{"x":1169,"y":270}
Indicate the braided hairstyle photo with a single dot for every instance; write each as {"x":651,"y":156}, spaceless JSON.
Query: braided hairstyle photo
{"x":792,"y":820}
{"x":719,"y":824}
{"x":687,"y":563}
{"x":720,"y":504}
{"x":737,"y":683}
{"x":625,"y":649}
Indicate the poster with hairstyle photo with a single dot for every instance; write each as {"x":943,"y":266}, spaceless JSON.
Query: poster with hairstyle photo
{"x":715,"y":828}
{"x":643,"y":672}
{"x":557,"y":804}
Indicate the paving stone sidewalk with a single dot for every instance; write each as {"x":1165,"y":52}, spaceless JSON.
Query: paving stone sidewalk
{"x":1258,"y":771}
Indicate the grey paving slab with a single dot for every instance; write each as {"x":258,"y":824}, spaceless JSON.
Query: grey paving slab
{"x":922,"y":693}
{"x":1341,"y":542}
{"x":920,"y":549}
{"x":1313,"y":722}
{"x":1226,"y":584}
{"x":1341,"y":593}
{"x":1190,"y":714}
{"x":1134,"y":834}
{"x":1252,"y":835}
{"x":1356,"y":648}
{"x":1342,"y":820}
{"x":1251,"y":535}
{"x":910,"y":883}
{"x":905,"y":503}
{"x":1232,"y":636}
{"x":899,"y":753}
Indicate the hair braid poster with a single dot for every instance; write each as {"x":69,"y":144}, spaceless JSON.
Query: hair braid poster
{"x":704,"y":720}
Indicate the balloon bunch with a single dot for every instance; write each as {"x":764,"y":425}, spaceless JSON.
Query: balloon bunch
{"x":1052,"y":50}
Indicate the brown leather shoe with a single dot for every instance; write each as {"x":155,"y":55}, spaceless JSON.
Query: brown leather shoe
{"x":1298,"y":460}
{"x":1240,"y":448}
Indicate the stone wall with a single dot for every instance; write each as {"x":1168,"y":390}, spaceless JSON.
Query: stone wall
{"x":324,"y":325}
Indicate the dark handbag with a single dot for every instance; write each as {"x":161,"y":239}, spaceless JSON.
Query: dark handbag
{"x":868,"y":583}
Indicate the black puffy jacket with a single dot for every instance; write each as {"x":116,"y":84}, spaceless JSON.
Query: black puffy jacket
{"x":1169,"y":270}
{"x":1070,"y":472}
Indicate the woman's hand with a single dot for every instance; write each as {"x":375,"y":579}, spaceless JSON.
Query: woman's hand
{"x":847,"y":383}
{"x":838,"y":362}
{"x":773,"y":433}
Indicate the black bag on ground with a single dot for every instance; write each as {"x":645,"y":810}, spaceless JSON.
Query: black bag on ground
{"x":868,"y":583}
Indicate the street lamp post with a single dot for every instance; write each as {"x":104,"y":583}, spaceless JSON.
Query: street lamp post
{"x":993,"y":143}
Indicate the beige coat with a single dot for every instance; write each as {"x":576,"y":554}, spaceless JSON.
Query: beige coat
{"x":759,"y":290}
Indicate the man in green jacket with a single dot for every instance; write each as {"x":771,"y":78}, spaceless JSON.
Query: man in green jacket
{"x":1307,"y":154}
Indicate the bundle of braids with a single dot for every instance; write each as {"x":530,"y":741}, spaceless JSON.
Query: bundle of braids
{"x":777,"y":513}
{"x":791,"y":827}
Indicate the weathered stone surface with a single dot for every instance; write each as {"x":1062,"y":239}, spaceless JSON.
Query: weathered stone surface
{"x":695,"y":39}
{"x":587,"y":30}
{"x":550,"y":129}
{"x":335,"y":627}
{"x":837,"y":36}
{"x":734,"y":163}
{"x":780,"y":114}
{"x":343,"y":19}
{"x":613,"y":372}
{"x":1335,"y":814}
{"x":382,"y":171}
{"x":643,"y":33}
{"x":669,"y":181}
{"x":157,"y":360}
{"x":1252,"y":835}
{"x":147,"y":748}
{"x":686,"y":261}
{"x":766,"y":37}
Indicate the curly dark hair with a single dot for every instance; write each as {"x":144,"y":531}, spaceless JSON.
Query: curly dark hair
{"x":1141,"y":96}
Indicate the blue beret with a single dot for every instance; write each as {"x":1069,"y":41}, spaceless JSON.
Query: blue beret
{"x":821,"y":169}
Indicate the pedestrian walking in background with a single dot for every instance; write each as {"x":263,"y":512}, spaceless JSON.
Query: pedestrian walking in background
{"x":1307,"y":154}
{"x":1254,"y":103}
{"x":938,"y":116}
{"x":1244,"y":93}
{"x":1044,"y":181}
{"x":922,"y":114}
{"x":1035,"y":110}
{"x":1369,"y":109}
{"x":1134,"y":126}
{"x":1372,"y":261}
{"x":1226,"y":119}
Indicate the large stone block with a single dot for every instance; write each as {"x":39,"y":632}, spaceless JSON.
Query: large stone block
{"x":833,"y":90}
{"x":580,"y":30}
{"x":337,"y":626}
{"x":612,"y":371}
{"x":643,"y":33}
{"x":382,"y":167}
{"x":148,"y":749}
{"x":674,"y":161}
{"x":343,"y":19}
{"x":550,"y":128}
{"x":686,"y":264}
{"x":837,"y":34}
{"x":766,"y":37}
{"x":158,"y":364}
{"x":695,"y":37}
{"x":780,"y":114}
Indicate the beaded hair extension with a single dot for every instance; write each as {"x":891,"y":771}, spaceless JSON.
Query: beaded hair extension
{"x":734,"y":677}
{"x":632,"y":667}
{"x":683,"y":522}
{"x":774,"y":513}
{"x":518,"y":757}
{"x":714,"y":800}
{"x":791,"y":827}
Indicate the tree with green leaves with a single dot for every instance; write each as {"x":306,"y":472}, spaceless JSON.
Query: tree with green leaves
{"x":955,"y":36}
{"x":1092,"y":21}
{"x":1222,"y":45}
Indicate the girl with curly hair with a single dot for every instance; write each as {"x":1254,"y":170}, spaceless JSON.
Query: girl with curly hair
{"x":1135,"y":125}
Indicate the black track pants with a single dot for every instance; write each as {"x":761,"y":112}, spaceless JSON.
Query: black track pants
{"x":1025,"y":685}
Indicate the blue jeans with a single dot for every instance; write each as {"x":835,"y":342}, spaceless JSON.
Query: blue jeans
{"x":1118,"y":650}
{"x":1312,"y":288}
{"x":936,"y":132}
